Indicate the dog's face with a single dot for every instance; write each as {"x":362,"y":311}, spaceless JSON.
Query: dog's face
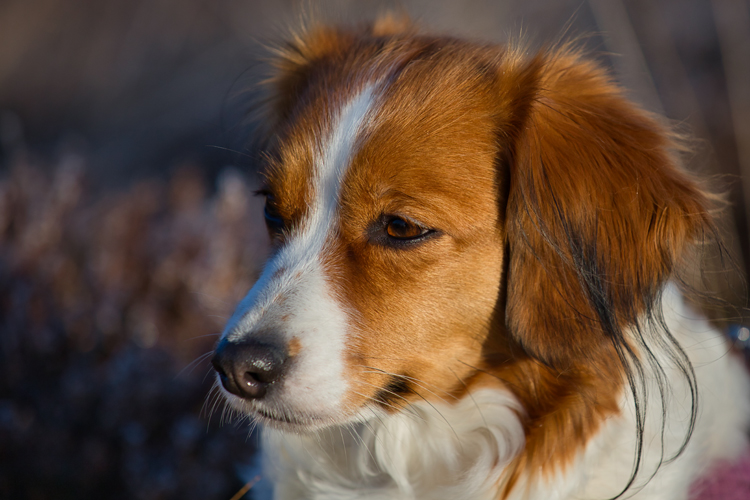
{"x":430,"y":204}
{"x":388,"y":244}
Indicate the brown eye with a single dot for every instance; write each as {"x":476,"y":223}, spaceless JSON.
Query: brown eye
{"x":402,"y":229}
{"x":399,"y":232}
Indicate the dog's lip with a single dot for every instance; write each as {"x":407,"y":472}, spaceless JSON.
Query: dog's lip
{"x":280,"y":418}
{"x":286,"y":418}
{"x":300,"y":424}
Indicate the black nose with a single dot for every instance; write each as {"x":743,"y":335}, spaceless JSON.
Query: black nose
{"x":247,"y":368}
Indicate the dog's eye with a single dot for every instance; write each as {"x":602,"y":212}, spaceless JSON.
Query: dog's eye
{"x":399,"y":232}
{"x":274,"y":221}
{"x":402,"y":229}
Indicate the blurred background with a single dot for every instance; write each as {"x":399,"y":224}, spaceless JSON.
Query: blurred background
{"x":128,"y":229}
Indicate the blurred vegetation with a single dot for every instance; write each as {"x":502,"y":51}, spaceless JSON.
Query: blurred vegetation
{"x":105,"y":301}
{"x":128,"y":230}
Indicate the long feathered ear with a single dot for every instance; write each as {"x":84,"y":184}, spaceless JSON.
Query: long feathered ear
{"x":599,"y":214}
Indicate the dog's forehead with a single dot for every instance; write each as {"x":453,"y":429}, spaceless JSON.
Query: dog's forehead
{"x":324,"y":128}
{"x":428,"y":139}
{"x":411,"y":133}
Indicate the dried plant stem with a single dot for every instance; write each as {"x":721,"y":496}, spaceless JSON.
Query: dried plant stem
{"x":245,"y":488}
{"x":620,"y":38}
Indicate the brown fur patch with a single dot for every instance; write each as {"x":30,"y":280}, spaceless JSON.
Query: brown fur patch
{"x":293,"y":347}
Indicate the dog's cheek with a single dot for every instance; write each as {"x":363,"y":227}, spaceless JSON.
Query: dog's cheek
{"x":425,"y":317}
{"x":465,"y":311}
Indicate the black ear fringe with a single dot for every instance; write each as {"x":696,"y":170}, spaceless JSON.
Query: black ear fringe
{"x":651,"y":334}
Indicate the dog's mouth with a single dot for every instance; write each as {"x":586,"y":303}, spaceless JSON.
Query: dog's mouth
{"x":279,"y":415}
{"x":288,"y":421}
{"x":283,"y":417}
{"x":296,"y":422}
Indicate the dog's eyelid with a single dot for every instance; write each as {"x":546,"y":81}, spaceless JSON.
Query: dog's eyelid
{"x":398,"y":214}
{"x":263,"y":191}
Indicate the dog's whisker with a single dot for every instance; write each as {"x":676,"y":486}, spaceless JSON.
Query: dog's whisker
{"x":425,"y":385}
{"x":379,"y":388}
{"x":380,"y":402}
{"x":468,"y":394}
{"x":193,"y":364}
{"x":197,"y":337}
{"x":420,"y":383}
{"x":362,"y":441}
{"x":210,"y":401}
{"x":437,"y":411}
{"x":343,"y":444}
{"x":376,"y":401}
{"x":222,"y":417}
{"x":209,"y":371}
{"x":218,"y":402}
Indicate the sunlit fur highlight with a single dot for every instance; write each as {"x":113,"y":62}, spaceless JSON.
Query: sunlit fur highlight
{"x":536,"y":344}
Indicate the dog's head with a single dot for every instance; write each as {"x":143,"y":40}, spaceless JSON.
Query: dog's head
{"x":441,"y":211}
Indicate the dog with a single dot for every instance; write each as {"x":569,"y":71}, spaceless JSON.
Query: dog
{"x":476,"y":282}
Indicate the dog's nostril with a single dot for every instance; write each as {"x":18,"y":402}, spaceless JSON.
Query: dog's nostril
{"x":255,"y":381}
{"x":264,"y":369}
{"x":247,"y":369}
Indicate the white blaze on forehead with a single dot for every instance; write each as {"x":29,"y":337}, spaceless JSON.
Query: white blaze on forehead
{"x":292,"y":298}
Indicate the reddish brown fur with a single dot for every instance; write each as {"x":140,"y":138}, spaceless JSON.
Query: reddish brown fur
{"x":293,"y":347}
{"x":498,"y":153}
{"x":605,"y":168}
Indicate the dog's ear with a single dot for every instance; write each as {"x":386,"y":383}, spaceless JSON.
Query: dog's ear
{"x":599,"y":213}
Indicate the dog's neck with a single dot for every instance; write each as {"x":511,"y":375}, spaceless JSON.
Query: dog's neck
{"x":493,"y":442}
{"x":460,"y":448}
